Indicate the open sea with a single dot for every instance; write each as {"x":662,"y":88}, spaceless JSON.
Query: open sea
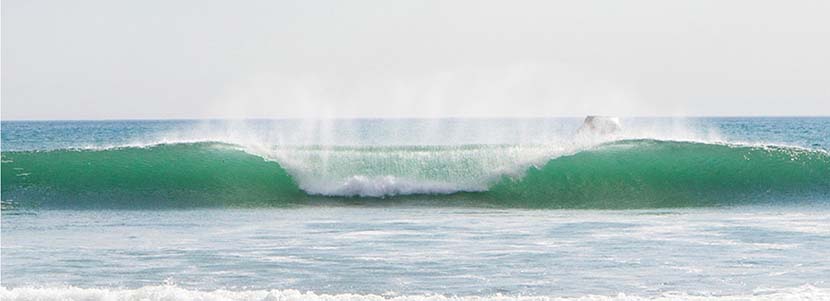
{"x":416,"y":209}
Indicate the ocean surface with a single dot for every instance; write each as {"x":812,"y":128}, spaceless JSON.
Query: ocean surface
{"x":416,"y":209}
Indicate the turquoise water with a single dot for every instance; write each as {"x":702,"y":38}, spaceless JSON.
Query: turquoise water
{"x":729,"y":208}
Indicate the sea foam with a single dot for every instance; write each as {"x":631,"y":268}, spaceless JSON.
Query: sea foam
{"x":170,"y":292}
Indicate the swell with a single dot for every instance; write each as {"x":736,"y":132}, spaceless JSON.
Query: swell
{"x":617,"y":175}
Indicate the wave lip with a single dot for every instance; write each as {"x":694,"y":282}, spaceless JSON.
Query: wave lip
{"x":624,"y":174}
{"x":170,"y":292}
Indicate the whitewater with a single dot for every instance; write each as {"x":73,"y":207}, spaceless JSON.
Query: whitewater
{"x":416,"y":209}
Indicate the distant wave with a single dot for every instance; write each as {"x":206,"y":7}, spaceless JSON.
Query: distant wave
{"x":615,"y":175}
{"x":177,"y":293}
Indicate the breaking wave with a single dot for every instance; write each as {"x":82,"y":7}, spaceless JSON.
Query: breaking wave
{"x":616,"y":175}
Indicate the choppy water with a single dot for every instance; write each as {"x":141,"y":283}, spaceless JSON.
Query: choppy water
{"x":731,"y":208}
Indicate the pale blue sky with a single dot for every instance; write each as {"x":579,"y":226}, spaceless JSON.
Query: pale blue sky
{"x":194,"y":59}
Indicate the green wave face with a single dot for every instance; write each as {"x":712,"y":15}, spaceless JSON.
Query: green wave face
{"x":649,"y":174}
{"x":619,"y":175}
{"x":175,"y":175}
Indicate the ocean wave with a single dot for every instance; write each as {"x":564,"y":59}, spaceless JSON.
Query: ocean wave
{"x":170,"y":292}
{"x":654,"y":173}
{"x":642,"y":173}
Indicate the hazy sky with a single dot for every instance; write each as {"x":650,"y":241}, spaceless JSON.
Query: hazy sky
{"x":193,"y":59}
